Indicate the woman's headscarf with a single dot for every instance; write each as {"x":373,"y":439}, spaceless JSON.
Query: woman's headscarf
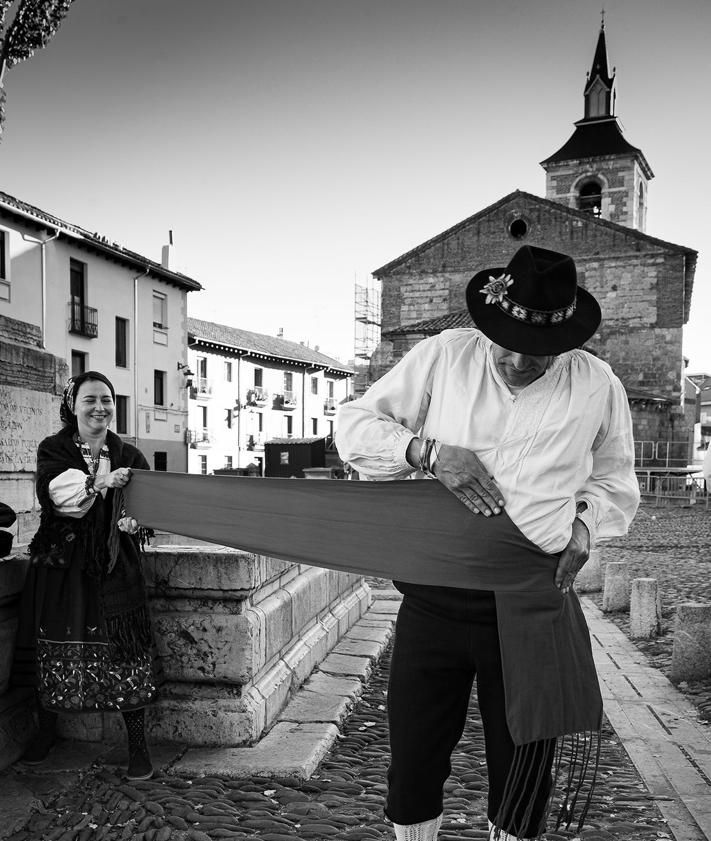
{"x":66,"y":410}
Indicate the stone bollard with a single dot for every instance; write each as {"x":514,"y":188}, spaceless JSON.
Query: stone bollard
{"x":616,"y":593}
{"x":691,"y":655}
{"x":589,"y":579}
{"x":645,"y":609}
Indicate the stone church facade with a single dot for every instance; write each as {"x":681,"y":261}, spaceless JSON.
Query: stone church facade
{"x":594,"y":210}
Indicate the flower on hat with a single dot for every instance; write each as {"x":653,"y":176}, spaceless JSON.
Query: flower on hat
{"x":495,"y":289}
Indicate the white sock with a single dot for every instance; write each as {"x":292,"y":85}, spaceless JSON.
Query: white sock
{"x":425,"y":831}
{"x":502,"y":836}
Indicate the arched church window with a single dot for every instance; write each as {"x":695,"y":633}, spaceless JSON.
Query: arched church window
{"x":590,"y":197}
{"x":640,"y":206}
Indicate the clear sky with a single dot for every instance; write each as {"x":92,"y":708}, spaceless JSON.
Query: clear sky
{"x":294,"y":146}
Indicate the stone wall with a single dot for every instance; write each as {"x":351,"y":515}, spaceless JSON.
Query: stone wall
{"x":236,"y":635}
{"x":639,"y":283}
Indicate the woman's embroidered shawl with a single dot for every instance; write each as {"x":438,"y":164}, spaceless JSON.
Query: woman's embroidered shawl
{"x":60,"y":541}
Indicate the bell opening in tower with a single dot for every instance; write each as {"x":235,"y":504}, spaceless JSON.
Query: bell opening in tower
{"x":590,"y":197}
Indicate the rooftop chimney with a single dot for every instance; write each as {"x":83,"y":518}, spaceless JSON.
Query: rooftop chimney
{"x":167,"y":259}
{"x":280,"y":333}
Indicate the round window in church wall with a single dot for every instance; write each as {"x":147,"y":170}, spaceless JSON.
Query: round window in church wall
{"x":518,"y":228}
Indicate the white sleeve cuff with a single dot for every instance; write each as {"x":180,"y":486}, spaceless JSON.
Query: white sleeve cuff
{"x":587,"y":517}
{"x":402,"y":442}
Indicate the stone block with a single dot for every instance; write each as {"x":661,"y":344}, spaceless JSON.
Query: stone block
{"x":691,"y":654}
{"x":207,"y":721}
{"x":288,"y":750}
{"x":590,"y":577}
{"x":18,"y":491}
{"x":347,"y":664}
{"x":313,"y":705}
{"x":203,"y":571}
{"x":645,"y":609}
{"x":616,"y":592}
{"x":309,"y":597}
{"x":275,"y":615}
{"x":207,"y":647}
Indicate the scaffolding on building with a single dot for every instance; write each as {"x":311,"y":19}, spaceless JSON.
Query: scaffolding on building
{"x":367,"y":332}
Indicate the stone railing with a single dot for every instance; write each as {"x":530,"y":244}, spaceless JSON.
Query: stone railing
{"x":236,"y":635}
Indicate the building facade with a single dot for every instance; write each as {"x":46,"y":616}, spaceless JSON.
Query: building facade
{"x":248,"y":388}
{"x":594,"y":210}
{"x":99,"y":306}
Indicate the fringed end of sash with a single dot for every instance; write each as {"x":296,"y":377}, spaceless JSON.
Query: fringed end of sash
{"x":129,"y":634}
{"x":114,"y":540}
{"x":549,"y":780}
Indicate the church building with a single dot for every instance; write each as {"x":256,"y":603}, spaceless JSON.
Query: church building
{"x":595,"y":210}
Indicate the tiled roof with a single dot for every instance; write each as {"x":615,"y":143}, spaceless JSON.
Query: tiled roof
{"x":260,"y":344}
{"x":642,"y":394}
{"x":595,"y":138}
{"x":433,"y":326}
{"x":95,"y":241}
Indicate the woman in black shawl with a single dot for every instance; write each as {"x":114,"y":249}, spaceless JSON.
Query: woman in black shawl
{"x":84,"y":641}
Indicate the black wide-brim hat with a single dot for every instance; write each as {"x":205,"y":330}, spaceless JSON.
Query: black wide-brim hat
{"x":534,"y":305}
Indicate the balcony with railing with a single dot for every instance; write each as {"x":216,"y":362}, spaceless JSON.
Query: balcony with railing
{"x":255,"y":441}
{"x":203,"y":387}
{"x":197,"y":438}
{"x":83,"y":320}
{"x":287,"y":400}
{"x":330,"y":405}
{"x":257,"y":396}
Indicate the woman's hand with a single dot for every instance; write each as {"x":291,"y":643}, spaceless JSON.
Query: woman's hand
{"x":116,"y":479}
{"x":461,"y":472}
{"x":128,"y":524}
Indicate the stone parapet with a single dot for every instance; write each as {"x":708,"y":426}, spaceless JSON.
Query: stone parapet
{"x":237,"y":634}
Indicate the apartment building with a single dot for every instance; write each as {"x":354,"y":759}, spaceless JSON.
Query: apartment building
{"x":100,"y":306}
{"x":248,"y":388}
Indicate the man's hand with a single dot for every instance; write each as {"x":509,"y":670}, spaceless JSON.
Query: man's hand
{"x":461,"y":472}
{"x":574,"y":557}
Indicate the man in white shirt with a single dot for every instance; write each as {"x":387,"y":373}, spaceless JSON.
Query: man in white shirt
{"x":512,"y":415}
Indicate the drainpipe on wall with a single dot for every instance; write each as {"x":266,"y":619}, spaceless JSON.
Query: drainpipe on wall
{"x":239,"y":414}
{"x":135,"y":351}
{"x":43,"y":280}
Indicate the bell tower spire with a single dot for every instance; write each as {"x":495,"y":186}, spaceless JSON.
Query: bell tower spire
{"x":597,"y":170}
{"x":599,"y":93}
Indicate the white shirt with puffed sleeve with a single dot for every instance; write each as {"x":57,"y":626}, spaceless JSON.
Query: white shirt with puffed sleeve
{"x":565,"y":438}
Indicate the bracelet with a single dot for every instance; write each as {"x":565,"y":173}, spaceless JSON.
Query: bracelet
{"x":426,"y":460}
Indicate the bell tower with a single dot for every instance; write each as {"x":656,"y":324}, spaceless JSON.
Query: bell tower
{"x":597,"y":170}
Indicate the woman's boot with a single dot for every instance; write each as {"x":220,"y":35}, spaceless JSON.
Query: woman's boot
{"x":139,"y":759}
{"x":425,"y":831}
{"x":41,"y":743}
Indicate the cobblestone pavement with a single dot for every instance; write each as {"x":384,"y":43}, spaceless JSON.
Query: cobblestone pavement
{"x":344,"y":800}
{"x":672,"y":545}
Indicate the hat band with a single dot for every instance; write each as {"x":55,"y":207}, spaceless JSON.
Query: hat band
{"x":538,"y":318}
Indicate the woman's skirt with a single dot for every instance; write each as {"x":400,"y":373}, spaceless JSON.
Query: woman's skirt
{"x":84,"y":644}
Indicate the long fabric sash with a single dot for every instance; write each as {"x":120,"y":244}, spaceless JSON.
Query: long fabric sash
{"x":411,"y":531}
{"x":418,"y":532}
